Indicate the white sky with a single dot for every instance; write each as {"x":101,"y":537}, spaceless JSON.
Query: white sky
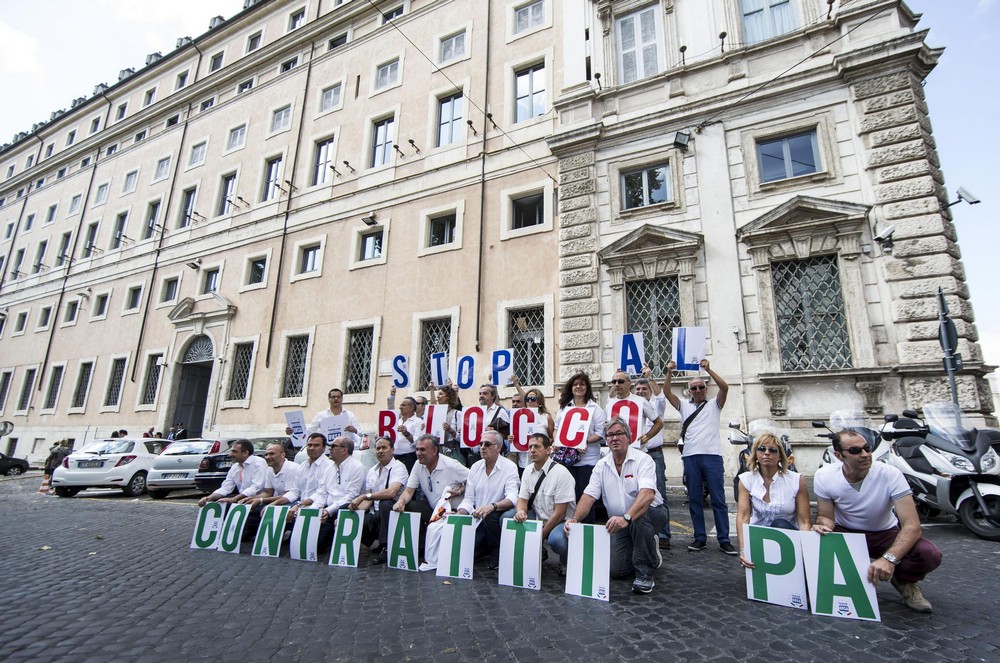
{"x":52,"y":51}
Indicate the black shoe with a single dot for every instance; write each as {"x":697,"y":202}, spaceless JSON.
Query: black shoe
{"x":493,"y":564}
{"x":545,"y":553}
{"x":664,"y":544}
{"x":729,"y":548}
{"x":697,"y":546}
{"x":380,"y":558}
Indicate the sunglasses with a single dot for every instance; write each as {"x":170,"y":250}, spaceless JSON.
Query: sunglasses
{"x":532,"y":399}
{"x":487,"y":445}
{"x":696,"y":388}
{"x":767,"y":450}
{"x":854,"y":451}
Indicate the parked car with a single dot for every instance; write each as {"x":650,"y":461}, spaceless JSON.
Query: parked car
{"x":176,"y":466}
{"x":11,"y":466}
{"x":214,"y":467}
{"x":114,"y":463}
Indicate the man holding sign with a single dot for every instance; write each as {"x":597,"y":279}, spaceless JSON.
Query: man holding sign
{"x":345,"y":420}
{"x":860,"y":497}
{"x":625,"y":480}
{"x":635,"y":410}
{"x":491,"y":490}
{"x":548,"y":493}
{"x":342,"y":482}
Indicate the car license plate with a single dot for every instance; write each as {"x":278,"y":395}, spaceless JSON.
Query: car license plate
{"x":175,"y":475}
{"x":90,"y":464}
{"x":224,"y":465}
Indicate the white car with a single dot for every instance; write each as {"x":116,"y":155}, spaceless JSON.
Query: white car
{"x":115,"y":463}
{"x":175,"y":467}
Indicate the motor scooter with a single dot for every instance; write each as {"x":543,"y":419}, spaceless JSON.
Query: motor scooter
{"x":754,"y":429}
{"x":950,"y":466}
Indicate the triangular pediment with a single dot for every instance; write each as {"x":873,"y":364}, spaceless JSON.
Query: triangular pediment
{"x":650,"y":240}
{"x":209,"y":308}
{"x":803,"y":212}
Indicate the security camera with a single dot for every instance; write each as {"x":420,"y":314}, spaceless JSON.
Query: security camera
{"x":885,"y":235}
{"x":967,"y":196}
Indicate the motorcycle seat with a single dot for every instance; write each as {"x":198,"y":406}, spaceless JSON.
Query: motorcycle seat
{"x":909,"y":447}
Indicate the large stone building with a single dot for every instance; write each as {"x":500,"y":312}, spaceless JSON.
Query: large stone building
{"x":280,"y":205}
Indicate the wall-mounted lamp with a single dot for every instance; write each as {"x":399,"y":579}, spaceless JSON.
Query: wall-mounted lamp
{"x":398,"y":151}
{"x":370,"y":219}
{"x":335,"y":171}
{"x":597,"y":79}
{"x":722,"y":41}
{"x":347,"y":163}
{"x":291,"y":186}
{"x":681,"y":140}
{"x":472,"y":128}
{"x":489,"y":116}
{"x":683,"y":50}
{"x":414,"y":146}
{"x":195,"y":264}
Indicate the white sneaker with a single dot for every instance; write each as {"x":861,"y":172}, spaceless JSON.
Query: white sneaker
{"x":427,"y":567}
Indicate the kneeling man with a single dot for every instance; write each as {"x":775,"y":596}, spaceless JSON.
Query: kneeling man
{"x":490,"y":491}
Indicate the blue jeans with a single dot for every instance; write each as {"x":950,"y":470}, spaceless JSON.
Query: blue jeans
{"x":699,"y":470}
{"x":661,"y":485}
{"x":557,"y":537}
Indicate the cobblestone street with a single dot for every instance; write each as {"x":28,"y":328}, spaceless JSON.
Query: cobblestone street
{"x":106,"y":578}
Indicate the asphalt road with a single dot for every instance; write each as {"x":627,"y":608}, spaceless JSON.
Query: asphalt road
{"x":105,"y":578}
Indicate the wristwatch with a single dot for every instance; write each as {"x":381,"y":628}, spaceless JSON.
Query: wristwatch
{"x":627,"y":518}
{"x":368,"y":496}
{"x":889,"y":557}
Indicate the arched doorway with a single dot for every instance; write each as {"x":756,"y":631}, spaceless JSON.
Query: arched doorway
{"x":196,"y":375}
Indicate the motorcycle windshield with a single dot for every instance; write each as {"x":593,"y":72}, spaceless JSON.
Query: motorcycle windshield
{"x":760,"y":426}
{"x":857,"y":421}
{"x":948,"y":422}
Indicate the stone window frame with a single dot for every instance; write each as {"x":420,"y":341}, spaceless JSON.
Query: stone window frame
{"x":48,"y":388}
{"x":141,"y":381}
{"x":416,"y":342}
{"x":547,"y":302}
{"x":798,"y":229}
{"x":828,"y":171}
{"x":169,"y":303}
{"x":507,"y":198}
{"x":674,"y":160}
{"x":357,"y":237}
{"x":298,"y":253}
{"x":345,"y":330}
{"x":107,"y":382}
{"x":243,"y":403}
{"x":426,"y":215}
{"x":248,"y":259}
{"x":297,"y":401}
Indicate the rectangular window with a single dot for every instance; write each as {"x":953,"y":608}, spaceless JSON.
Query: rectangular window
{"x":531,"y":15}
{"x":20,"y":322}
{"x":162,"y":169}
{"x":387,"y":74}
{"x":84,"y":162}
{"x":149,"y":97}
{"x":116,"y":378}
{"x":26,"y":388}
{"x":82,"y":384}
{"x":296,"y":19}
{"x":70,"y":138}
{"x":101,"y":305}
{"x":10,"y":171}
{"x":322,"y":161}
{"x":281,"y":119}
{"x":383,"y":134}
{"x":272,"y":179}
{"x":89,"y":246}
{"x":442,"y":231}
{"x":309,"y":258}
{"x":18,"y":261}
{"x":256,"y":271}
{"x":435,"y":336}
{"x":29,"y":222}
{"x":639,"y":49}
{"x":50,"y":215}
{"x":452,"y":47}
{"x":330,"y":98}
{"x":809,"y":306}
{"x":102,"y":193}
{"x":44,"y":317}
{"x":337,"y":42}
{"x":529,"y":90}
{"x":653,"y":307}
{"x":253,"y":42}
{"x":152,"y":381}
{"x":205,"y":105}
{"x":237,"y":137}
{"x":789,"y":156}
{"x":74,"y":203}
{"x":371,"y":245}
{"x":360,"y":343}
{"x":40,"y":257}
{"x":40,"y":183}
{"x":765,"y":19}
{"x":119,"y":234}
{"x":528,"y":211}
{"x":215,"y":63}
{"x":227,"y":189}
{"x":645,"y":187}
{"x":188,"y":198}
{"x":61,"y":173}
{"x":140,"y":136}
{"x":72,"y":310}
{"x":181,"y":81}
{"x":133,"y":298}
{"x":244,"y":86}
{"x":393,"y":13}
{"x":450,"y":124}
{"x":152,"y":218}
{"x":30,"y":162}
{"x":63,"y":254}
{"x":288,"y":65}
{"x":169,"y":290}
{"x":210,"y":281}
{"x":128,"y":186}
{"x":198,"y":154}
{"x":111,"y":149}
{"x":95,"y":124}
{"x":55,"y":381}
{"x":172,"y":120}
{"x":239,"y":378}
{"x":5,"y":380}
{"x":296,"y":358}
{"x":526,"y":337}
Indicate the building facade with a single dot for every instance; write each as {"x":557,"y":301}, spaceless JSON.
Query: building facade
{"x":282,"y":204}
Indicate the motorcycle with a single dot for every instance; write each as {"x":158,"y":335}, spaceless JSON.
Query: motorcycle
{"x":755,"y":428}
{"x":852,"y":420}
{"x":950,"y":466}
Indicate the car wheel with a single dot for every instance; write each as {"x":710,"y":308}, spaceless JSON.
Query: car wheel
{"x":157,"y":494}
{"x":136,"y":485}
{"x":66,"y":491}
{"x":14,"y":471}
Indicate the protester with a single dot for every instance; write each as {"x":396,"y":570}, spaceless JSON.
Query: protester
{"x":280,"y":476}
{"x":451,"y":444}
{"x":409,"y":429}
{"x":580,"y":462}
{"x":383,"y":486}
{"x":547,"y":493}
{"x":491,"y":490}
{"x":342,"y":484}
{"x":335,"y":397}
{"x":245,"y":477}
{"x":646,"y":388}
{"x":533,"y":398}
{"x":309,"y":480}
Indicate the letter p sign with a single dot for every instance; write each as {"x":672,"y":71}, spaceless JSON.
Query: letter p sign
{"x":502,"y":366}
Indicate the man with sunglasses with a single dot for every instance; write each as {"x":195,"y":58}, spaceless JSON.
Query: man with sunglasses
{"x":702,"y":455}
{"x":342,"y":482}
{"x":491,"y":489}
{"x":860,"y":496}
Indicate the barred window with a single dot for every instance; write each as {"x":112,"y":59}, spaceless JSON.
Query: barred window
{"x":113,"y":395}
{"x":239,"y":380}
{"x":812,"y":326}
{"x":152,"y":381}
{"x":526,"y":336}
{"x":435,"y":336}
{"x":26,"y":387}
{"x":82,"y":384}
{"x":359,"y":360}
{"x":55,"y":381}
{"x":296,"y":356}
{"x":653,"y":307}
{"x":5,"y":379}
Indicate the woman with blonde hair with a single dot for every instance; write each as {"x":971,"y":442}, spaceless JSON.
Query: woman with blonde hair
{"x":770,"y":494}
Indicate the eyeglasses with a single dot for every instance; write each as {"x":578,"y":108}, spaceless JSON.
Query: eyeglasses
{"x":767,"y":450}
{"x":421,"y":402}
{"x":617,"y":434}
{"x":697,"y":388}
{"x":487,"y":445}
{"x":532,"y":399}
{"x":619,"y":381}
{"x":854,"y":451}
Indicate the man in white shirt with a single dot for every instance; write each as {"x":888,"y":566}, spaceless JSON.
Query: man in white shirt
{"x":648,"y":389}
{"x":435,"y":475}
{"x":490,"y":491}
{"x":409,"y":429}
{"x":621,"y":390}
{"x":342,"y":483}
{"x":860,"y":496}
{"x":548,"y":493}
{"x":280,"y":476}
{"x":495,"y":415}
{"x":245,"y":476}
{"x":702,"y":454}
{"x":308,"y":482}
{"x":383,"y":484}
{"x":347,"y":422}
{"x":624,"y":481}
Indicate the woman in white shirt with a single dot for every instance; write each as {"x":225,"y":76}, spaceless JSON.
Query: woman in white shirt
{"x":577,"y":392}
{"x":770,"y":494}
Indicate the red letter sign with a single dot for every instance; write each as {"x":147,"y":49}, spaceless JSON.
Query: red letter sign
{"x":473,"y":424}
{"x":522,"y":424}
{"x":631,"y":412}
{"x":387,"y":424}
{"x":574,"y":427}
